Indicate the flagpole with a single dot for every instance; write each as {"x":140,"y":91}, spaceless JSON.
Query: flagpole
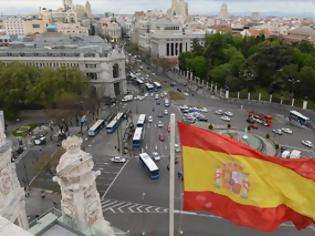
{"x":172,"y":175}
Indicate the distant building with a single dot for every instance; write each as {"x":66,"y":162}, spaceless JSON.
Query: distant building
{"x":301,"y":33}
{"x":224,"y":12}
{"x":14,"y":26}
{"x":71,"y":28}
{"x":109,"y":28}
{"x":104,"y":66}
{"x":179,"y":10}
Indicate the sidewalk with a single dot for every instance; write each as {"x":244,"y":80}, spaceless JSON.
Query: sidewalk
{"x":39,"y":201}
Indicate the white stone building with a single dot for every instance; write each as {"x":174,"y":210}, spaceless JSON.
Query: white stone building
{"x":14,"y":26}
{"x":104,"y":66}
{"x":110,"y":28}
{"x":71,"y":28}
{"x":12,"y":196}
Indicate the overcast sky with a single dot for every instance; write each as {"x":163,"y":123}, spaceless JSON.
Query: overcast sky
{"x":297,"y":7}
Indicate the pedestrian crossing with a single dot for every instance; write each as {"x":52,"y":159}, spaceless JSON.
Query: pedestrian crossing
{"x":120,"y":207}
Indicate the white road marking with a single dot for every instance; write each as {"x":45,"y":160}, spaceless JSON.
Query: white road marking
{"x":108,"y":204}
{"x":111,"y":184}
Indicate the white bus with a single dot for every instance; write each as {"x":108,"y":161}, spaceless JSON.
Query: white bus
{"x":137,"y":137}
{"x":150,"y":87}
{"x":149,"y":165}
{"x":298,"y":118}
{"x":114,"y":123}
{"x":96,"y":128}
{"x":157,"y":85}
{"x":141,"y":120}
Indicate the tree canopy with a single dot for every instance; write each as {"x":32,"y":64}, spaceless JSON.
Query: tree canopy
{"x":273,"y":63}
{"x":24,"y":86}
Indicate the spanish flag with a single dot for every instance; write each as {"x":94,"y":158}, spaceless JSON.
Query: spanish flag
{"x":241,"y":184}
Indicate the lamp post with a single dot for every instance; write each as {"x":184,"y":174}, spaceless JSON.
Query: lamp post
{"x":293,"y":81}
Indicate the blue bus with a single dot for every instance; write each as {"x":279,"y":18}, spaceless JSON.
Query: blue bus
{"x":298,"y":118}
{"x":114,"y":123}
{"x":141,"y":120}
{"x":96,"y":128}
{"x":149,"y":165}
{"x":137,"y":137}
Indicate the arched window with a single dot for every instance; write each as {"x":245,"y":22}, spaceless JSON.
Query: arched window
{"x":116,"y":70}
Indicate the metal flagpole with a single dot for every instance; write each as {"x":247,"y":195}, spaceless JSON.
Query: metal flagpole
{"x":172,"y":175}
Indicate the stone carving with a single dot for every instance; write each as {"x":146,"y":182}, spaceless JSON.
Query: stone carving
{"x":5,"y":181}
{"x":80,"y":199}
{"x":2,"y":128}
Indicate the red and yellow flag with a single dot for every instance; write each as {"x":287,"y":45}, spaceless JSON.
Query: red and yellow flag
{"x":243,"y":185}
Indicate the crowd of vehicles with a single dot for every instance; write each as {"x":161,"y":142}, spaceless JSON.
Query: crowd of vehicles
{"x":193,"y":114}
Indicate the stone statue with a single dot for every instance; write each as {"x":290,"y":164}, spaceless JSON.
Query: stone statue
{"x":80,"y":199}
{"x":2,"y":129}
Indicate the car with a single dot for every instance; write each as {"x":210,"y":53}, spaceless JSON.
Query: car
{"x":287,"y":130}
{"x":140,"y":98}
{"x":165,"y":112}
{"x":150,"y":119}
{"x":158,"y":102}
{"x":127,"y":98}
{"x":250,"y":120}
{"x":186,"y":94}
{"x":201,"y":117}
{"x":39,"y":140}
{"x":118,"y":159}
{"x":161,"y":137}
{"x":277,"y":131}
{"x":146,"y":94}
{"x":307,"y":143}
{"x":156,"y":97}
{"x":253,"y":126}
{"x":160,"y":115}
{"x":203,"y":109}
{"x":160,"y":124}
{"x":228,"y":113}
{"x":156,"y":156}
{"x":189,"y":118}
{"x":225,"y":118}
{"x":179,"y":90}
{"x":151,"y":94}
{"x":177,"y":148}
{"x":219,"y":112}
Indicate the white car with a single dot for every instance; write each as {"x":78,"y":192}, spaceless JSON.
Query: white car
{"x":287,"y":130}
{"x":156,"y":156}
{"x":156,"y":97}
{"x":225,"y":118}
{"x":177,"y":149}
{"x":160,"y":124}
{"x":203,"y":109}
{"x":219,"y":112}
{"x":127,"y":98}
{"x":118,"y":159}
{"x":165,"y":112}
{"x":186,"y":94}
{"x":277,"y":131}
{"x":228,"y":113}
{"x":151,"y":94}
{"x":150,"y":119}
{"x":307,"y":143}
{"x":140,"y":98}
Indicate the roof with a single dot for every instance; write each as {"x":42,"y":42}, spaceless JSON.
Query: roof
{"x":8,"y":228}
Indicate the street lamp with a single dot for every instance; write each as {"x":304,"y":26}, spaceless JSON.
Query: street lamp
{"x":293,"y":82}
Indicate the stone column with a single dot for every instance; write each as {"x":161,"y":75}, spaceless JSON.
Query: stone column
{"x":281,"y":100}
{"x":227,"y":94}
{"x":293,"y":100}
{"x":259,"y":97}
{"x":80,"y":205}
{"x":215,"y":88}
{"x":211,"y":86}
{"x":248,"y":96}
{"x":207,"y":85}
{"x":238,"y":95}
{"x":270,"y":98}
{"x":305,"y":103}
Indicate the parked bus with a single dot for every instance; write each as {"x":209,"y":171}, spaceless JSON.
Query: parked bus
{"x":149,"y":165}
{"x":114,"y":123}
{"x":96,"y":128}
{"x":157,"y":85}
{"x":149,"y":87}
{"x":298,"y":118}
{"x":141,"y":120}
{"x":137,"y":137}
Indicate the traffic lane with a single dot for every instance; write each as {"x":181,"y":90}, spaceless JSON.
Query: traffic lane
{"x":197,"y":225}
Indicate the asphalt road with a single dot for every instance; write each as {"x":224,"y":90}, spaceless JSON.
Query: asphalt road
{"x":135,"y":203}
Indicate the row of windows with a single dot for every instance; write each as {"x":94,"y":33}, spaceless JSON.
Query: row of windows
{"x":90,"y":65}
{"x":53,"y":64}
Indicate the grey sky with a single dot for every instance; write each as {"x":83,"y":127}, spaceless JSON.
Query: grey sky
{"x":298,"y":7}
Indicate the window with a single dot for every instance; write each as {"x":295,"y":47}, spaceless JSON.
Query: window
{"x":116,"y":70}
{"x":92,"y":76}
{"x":36,"y":26}
{"x":90,"y":65}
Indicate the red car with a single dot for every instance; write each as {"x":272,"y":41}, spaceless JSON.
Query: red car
{"x":253,"y":126}
{"x":161,"y":137}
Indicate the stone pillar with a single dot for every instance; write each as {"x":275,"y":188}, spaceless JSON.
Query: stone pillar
{"x":211,"y":86}
{"x":191,"y":75}
{"x":12,"y":196}
{"x":281,"y":100}
{"x":259,"y":97}
{"x":207,"y":84}
{"x":305,"y":103}
{"x":293,"y":100}
{"x":270,"y":98}
{"x":80,"y":205}
{"x":238,"y":95}
{"x":227,"y":94}
{"x":215,"y":88}
{"x":248,"y":96}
